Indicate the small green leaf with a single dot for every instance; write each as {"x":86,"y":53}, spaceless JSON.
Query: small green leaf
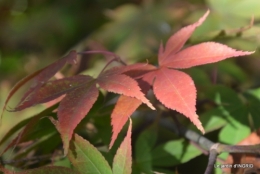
{"x":234,"y":132}
{"x":173,"y":153}
{"x":233,"y":110}
{"x":86,"y":158}
{"x":212,"y":120}
{"x":143,"y":148}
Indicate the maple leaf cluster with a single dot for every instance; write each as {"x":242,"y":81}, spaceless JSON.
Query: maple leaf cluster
{"x":173,"y":88}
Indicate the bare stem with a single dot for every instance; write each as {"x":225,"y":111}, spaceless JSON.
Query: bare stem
{"x":214,"y":148}
{"x":213,"y":153}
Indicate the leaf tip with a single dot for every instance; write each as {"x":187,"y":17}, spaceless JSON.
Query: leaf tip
{"x":72,"y":57}
{"x":202,"y":19}
{"x":198,"y":124}
{"x":243,"y":53}
{"x":113,"y":138}
{"x":63,"y":137}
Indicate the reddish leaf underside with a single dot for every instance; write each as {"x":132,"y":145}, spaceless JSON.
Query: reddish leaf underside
{"x":75,"y":105}
{"x":40,"y":77}
{"x":122,"y":163}
{"x":124,"y":108}
{"x":52,"y":90}
{"x":176,"y":90}
{"x":204,"y":53}
{"x":49,"y":72}
{"x":123,"y":84}
{"x":176,"y":41}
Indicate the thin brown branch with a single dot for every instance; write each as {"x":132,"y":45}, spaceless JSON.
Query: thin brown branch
{"x":213,"y":153}
{"x":254,"y":149}
{"x":214,"y":148}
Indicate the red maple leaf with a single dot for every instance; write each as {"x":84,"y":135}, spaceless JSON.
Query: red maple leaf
{"x":175,"y":89}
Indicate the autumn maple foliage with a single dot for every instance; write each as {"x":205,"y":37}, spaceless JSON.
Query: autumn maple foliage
{"x":173,"y":88}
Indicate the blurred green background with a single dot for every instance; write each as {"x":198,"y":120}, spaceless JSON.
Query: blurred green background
{"x":35,"y":33}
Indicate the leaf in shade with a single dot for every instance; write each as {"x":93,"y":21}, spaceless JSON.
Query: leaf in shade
{"x":52,"y":90}
{"x":123,"y":84}
{"x":40,"y":77}
{"x":52,"y":69}
{"x":204,"y":53}
{"x":177,"y":40}
{"x":86,"y":158}
{"x":139,"y":72}
{"x":124,"y":108}
{"x":21,"y":137}
{"x":176,"y":90}
{"x":49,"y":72}
{"x":73,"y":109}
{"x":143,"y":146}
{"x":23,"y":123}
{"x":134,"y":70}
{"x":122,"y":163}
{"x":149,"y":77}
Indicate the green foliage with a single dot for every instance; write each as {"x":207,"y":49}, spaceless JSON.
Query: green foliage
{"x":86,"y":158}
{"x":143,"y":147}
{"x":173,"y":153}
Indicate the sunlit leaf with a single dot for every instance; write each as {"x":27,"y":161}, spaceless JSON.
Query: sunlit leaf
{"x":124,"y":108}
{"x":204,"y":53}
{"x":174,"y":89}
{"x":177,"y":91}
{"x":123,"y":84}
{"x":177,"y":40}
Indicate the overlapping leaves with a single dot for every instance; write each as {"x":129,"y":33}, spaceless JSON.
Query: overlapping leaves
{"x":173,"y":88}
{"x":81,"y":93}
